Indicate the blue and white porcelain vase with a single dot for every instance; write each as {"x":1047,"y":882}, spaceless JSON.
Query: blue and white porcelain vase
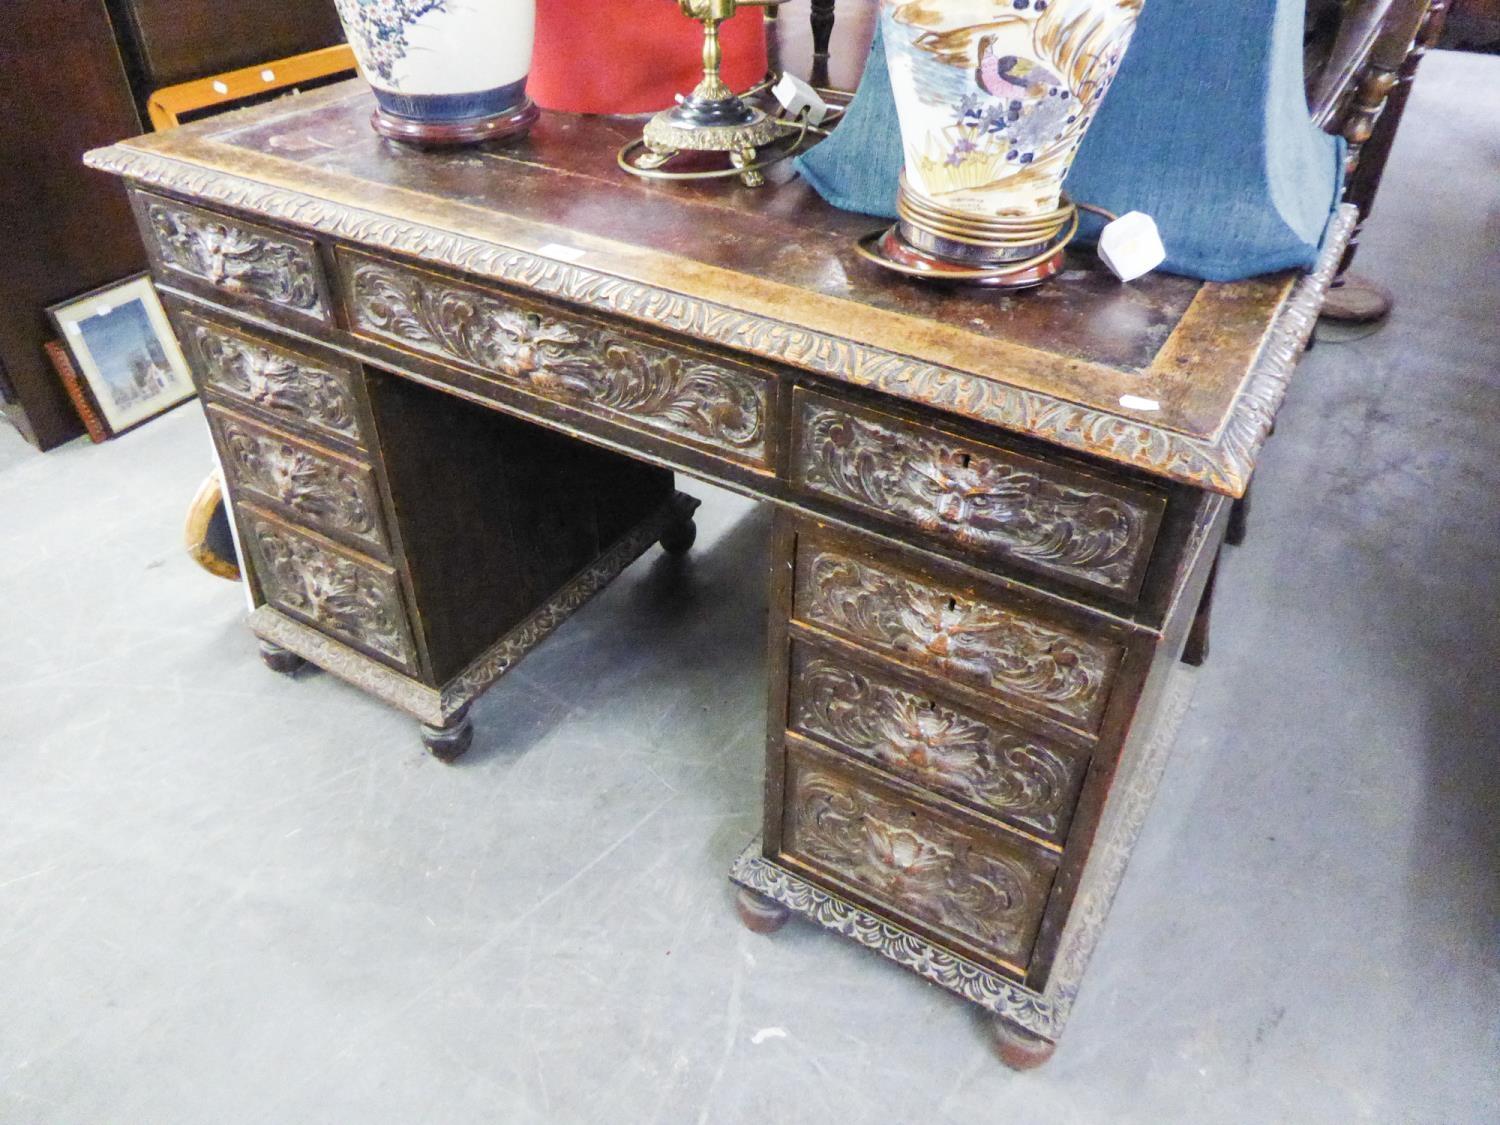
{"x":445,"y":71}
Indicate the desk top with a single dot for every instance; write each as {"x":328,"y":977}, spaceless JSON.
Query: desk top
{"x":1176,"y":377}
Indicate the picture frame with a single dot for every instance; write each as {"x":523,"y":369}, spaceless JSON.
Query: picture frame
{"x":124,"y":352}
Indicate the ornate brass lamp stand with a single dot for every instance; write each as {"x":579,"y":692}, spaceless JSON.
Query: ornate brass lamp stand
{"x":713,"y":118}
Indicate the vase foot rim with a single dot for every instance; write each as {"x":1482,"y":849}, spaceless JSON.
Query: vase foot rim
{"x":511,"y":125}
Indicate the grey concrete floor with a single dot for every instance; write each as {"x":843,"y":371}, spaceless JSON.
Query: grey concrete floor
{"x":231,"y":897}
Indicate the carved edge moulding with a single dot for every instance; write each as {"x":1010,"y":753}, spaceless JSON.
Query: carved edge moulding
{"x":1044,"y":1013}
{"x":1221,"y":464}
{"x":438,"y":706}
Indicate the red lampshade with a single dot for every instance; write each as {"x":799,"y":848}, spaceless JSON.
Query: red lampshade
{"x":633,"y":56}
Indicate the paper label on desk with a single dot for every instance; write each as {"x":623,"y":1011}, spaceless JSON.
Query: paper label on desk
{"x":1135,"y":402}
{"x":1131,"y":246}
{"x":562,"y":253}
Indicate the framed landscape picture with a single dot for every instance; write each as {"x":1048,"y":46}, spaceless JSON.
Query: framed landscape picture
{"x":124,"y":351}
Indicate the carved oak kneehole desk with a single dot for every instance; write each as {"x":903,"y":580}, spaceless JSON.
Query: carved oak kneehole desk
{"x":449,"y":392}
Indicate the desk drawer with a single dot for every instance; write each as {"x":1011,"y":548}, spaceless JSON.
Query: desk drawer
{"x":638,"y":382}
{"x":329,"y":493}
{"x":307,"y":392}
{"x":354,"y":599}
{"x":981,"y":499}
{"x":961,"y":634}
{"x":912,"y":860}
{"x":247,"y":262}
{"x":993,"y":767}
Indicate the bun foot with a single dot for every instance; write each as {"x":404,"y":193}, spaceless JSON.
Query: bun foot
{"x":760,"y":914}
{"x":682,"y":531}
{"x":279,"y":659}
{"x":679,"y":538}
{"x":1017,"y":1048}
{"x":448,"y":743}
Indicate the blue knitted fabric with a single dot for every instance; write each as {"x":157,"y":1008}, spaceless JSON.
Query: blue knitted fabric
{"x":1206,"y":130}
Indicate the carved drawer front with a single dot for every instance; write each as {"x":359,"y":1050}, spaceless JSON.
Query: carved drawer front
{"x":235,"y":257}
{"x":307,"y":392}
{"x":995,"y":768}
{"x":620,"y":377}
{"x":985,"y":500}
{"x":907,"y":858}
{"x":329,"y":493}
{"x":351,"y":598}
{"x":1002,"y":650}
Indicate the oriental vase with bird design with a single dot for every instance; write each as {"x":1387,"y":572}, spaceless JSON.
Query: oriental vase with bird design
{"x":994,"y":96}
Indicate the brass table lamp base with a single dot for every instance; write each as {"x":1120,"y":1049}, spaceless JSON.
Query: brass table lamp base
{"x":726,"y":126}
{"x":713,"y":118}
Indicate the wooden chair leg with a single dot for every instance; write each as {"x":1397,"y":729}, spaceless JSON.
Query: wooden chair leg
{"x":822,"y":26}
{"x":1196,"y":650}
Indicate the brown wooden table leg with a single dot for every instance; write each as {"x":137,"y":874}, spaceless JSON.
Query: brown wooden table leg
{"x":1196,"y":650}
{"x":1239,"y":520}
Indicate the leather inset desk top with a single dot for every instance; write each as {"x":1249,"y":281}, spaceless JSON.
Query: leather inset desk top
{"x":772,"y":273}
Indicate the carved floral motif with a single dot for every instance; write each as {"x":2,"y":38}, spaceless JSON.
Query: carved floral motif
{"x":333,"y":496}
{"x":234,"y":258}
{"x":983,"y":499}
{"x":338,"y":594}
{"x":289,"y":385}
{"x":974,"y":642}
{"x":1000,"y":769}
{"x":916,"y":865}
{"x":585,"y":365}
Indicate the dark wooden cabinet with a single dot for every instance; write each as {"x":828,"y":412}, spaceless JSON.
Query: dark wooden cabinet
{"x":73,"y":76}
{"x":171,"y":41}
{"x":65,"y":229}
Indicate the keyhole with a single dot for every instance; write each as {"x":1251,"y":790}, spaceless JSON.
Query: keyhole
{"x":533,"y":321}
{"x":963,"y":459}
{"x":952,"y":603}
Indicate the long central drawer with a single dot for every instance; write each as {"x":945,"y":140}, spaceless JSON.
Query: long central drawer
{"x":618,"y":376}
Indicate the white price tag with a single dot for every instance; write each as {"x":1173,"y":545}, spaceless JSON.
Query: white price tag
{"x":796,"y":97}
{"x":1131,"y":246}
